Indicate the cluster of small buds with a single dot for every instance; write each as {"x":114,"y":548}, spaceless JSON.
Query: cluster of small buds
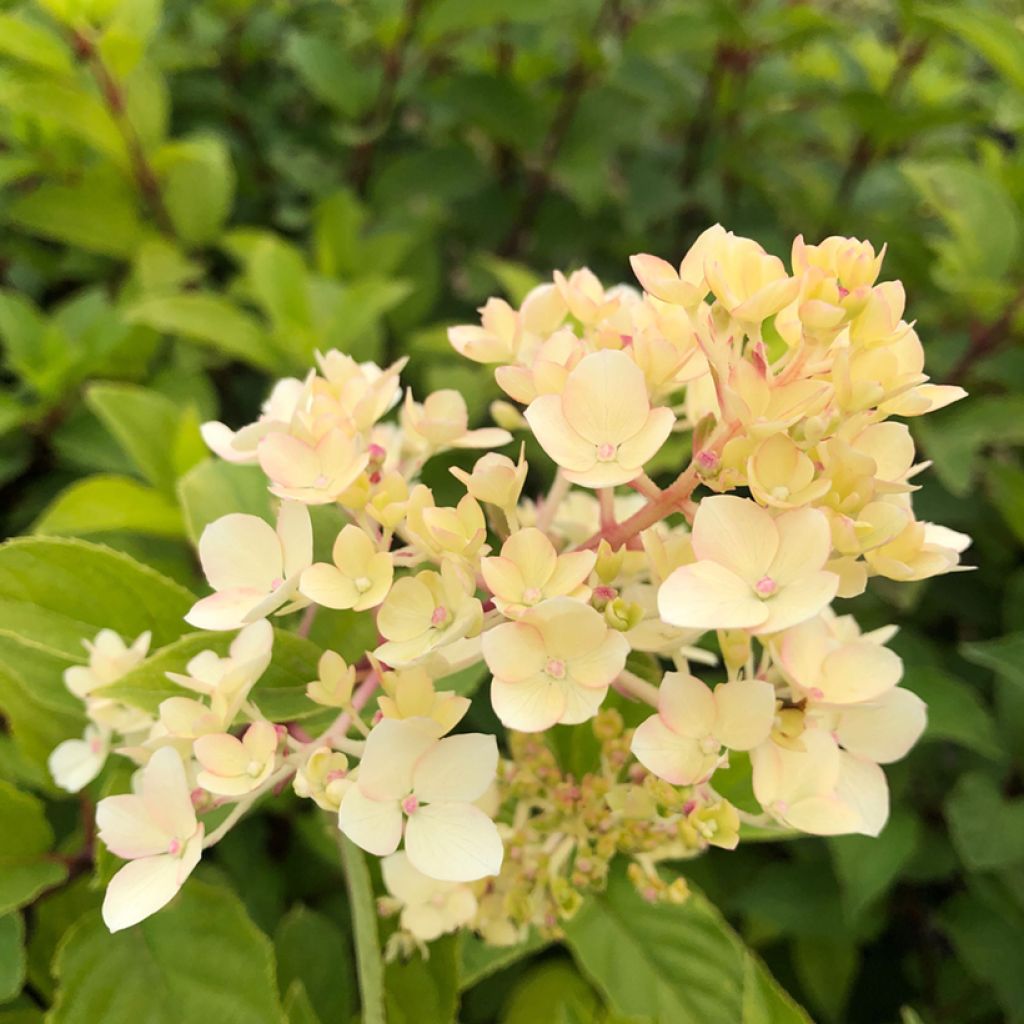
{"x":709,"y":612}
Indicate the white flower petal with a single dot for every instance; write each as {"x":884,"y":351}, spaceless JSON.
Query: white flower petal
{"x":746,"y":713}
{"x":736,"y":533}
{"x":240,"y":552}
{"x":373,"y":825}
{"x":458,"y":768}
{"x":453,"y":842}
{"x":392,"y":749}
{"x":529,"y":705}
{"x":884,"y":730}
{"x":676,"y":759}
{"x":707,"y":595}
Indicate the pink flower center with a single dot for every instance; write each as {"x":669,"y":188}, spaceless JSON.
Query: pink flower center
{"x":709,"y":745}
{"x":174,"y":847}
{"x":815,"y":693}
{"x":707,"y":459}
{"x":376,"y":453}
{"x":410,"y":804}
{"x":606,"y":452}
{"x":274,"y":584}
{"x":766,"y":586}
{"x":96,"y":745}
{"x":320,"y":481}
{"x":531,"y":595}
{"x":604,"y":593}
{"x":362,"y":584}
{"x":439,"y":616}
{"x":555,"y":668}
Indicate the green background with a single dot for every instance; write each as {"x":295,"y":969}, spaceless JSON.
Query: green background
{"x":195,"y":196}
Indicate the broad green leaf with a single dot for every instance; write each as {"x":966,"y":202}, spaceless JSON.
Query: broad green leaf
{"x":987,"y":829}
{"x":26,"y":868}
{"x":212,"y":320}
{"x":673,"y":964}
{"x":57,"y":591}
{"x":313,"y":950}
{"x":328,"y":70}
{"x":52,"y":915}
{"x":552,"y":991}
{"x":369,"y":963}
{"x":201,"y":959}
{"x":1005,"y":656}
{"x":12,"y":950}
{"x":102,"y":504}
{"x":955,"y":711}
{"x":297,"y":1007}
{"x":215,"y":488}
{"x":338,"y":222}
{"x":198,"y":187}
{"x":480,"y":961}
{"x":991,"y":33}
{"x":1006,"y":488}
{"x":145,"y":423}
{"x":421,"y":988}
{"x":827,"y":968}
{"x":33,"y":43}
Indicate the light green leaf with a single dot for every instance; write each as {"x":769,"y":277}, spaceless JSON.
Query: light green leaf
{"x":421,"y":988}
{"x":1006,"y":488}
{"x":198,"y":187}
{"x":33,"y":43}
{"x":313,"y":951}
{"x":995,"y":37}
{"x":297,"y":1007}
{"x":215,"y":488}
{"x":57,"y":591}
{"x":199,"y":960}
{"x":327,"y":69}
{"x":673,"y":964}
{"x":52,"y":916}
{"x":987,"y":830}
{"x":25,"y":842}
{"x":955,"y":711}
{"x":101,"y":504}
{"x":211,"y":320}
{"x":1004,"y":655}
{"x":552,"y":991}
{"x":12,"y":951}
{"x":369,"y":962}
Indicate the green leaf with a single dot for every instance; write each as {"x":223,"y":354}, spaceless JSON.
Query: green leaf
{"x":987,"y":830}
{"x":827,"y":969}
{"x":211,"y":320}
{"x":421,"y":988}
{"x":364,"y":929}
{"x":12,"y":948}
{"x":328,"y":71}
{"x":101,"y":504}
{"x":56,"y":591}
{"x":199,"y":960}
{"x":297,"y":1007}
{"x":867,"y":867}
{"x":144,"y":423}
{"x":1006,"y":490}
{"x":1004,"y":655}
{"x":550,"y":992}
{"x":480,"y":960}
{"x":991,"y":33}
{"x":198,"y":187}
{"x":215,"y":488}
{"x":673,"y":964}
{"x":313,"y":951}
{"x":955,"y":711}
{"x":34,"y":44}
{"x":52,"y":916}
{"x":25,"y":842}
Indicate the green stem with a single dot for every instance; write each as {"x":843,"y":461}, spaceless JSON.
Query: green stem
{"x":369,"y":962}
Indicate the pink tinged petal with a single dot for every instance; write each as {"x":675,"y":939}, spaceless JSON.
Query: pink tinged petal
{"x":805,"y":543}
{"x":145,"y":886}
{"x":884,"y":730}
{"x":287,"y":461}
{"x":326,"y":586}
{"x":392,"y":750}
{"x":373,"y":825}
{"x":736,"y":533}
{"x":295,"y":532}
{"x":601,"y":665}
{"x":126,"y":828}
{"x":167,"y":795}
{"x":644,"y":445}
{"x":706,"y":595}
{"x":240,"y":552}
{"x":219,"y":439}
{"x":605,"y":398}
{"x":862,"y":787}
{"x":676,"y":759}
{"x":581,"y":703}
{"x":75,"y":763}
{"x":513,"y":651}
{"x":221,"y":754}
{"x":746,"y":713}
{"x":686,"y":705}
{"x":458,"y":768}
{"x":563,"y":444}
{"x":858,"y":671}
{"x":603,"y":474}
{"x":800,"y":601}
{"x":227,"y":610}
{"x":453,"y":842}
{"x":530,"y":705}
{"x":802,"y":651}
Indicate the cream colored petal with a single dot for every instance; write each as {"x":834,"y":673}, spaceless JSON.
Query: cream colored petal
{"x":407,"y":611}
{"x":514,"y":651}
{"x":221,"y":754}
{"x":686,"y":705}
{"x":736,"y":533}
{"x":883,"y":730}
{"x":75,"y":763}
{"x":533,"y":554}
{"x":571,"y":570}
{"x":325,"y":585}
{"x":800,"y":601}
{"x":404,"y":882}
{"x":805,"y":543}
{"x":166,"y":793}
{"x":503,"y":578}
{"x":142,"y":888}
{"x":453,"y":842}
{"x":676,"y":759}
{"x":458,"y":768}
{"x":295,"y":530}
{"x":126,"y":828}
{"x":746,"y":713}
{"x":530,"y":705}
{"x":605,"y":398}
{"x":857,"y":671}
{"x":602,"y":474}
{"x":240,"y":551}
{"x":554,"y":434}
{"x":373,"y":825}
{"x":392,"y":750}
{"x":288,"y":461}
{"x":600,"y":666}
{"x":645,"y":444}
{"x":581,"y":703}
{"x":827,"y":815}
{"x":862,"y":787}
{"x":706,"y":595}
{"x":802,"y":649}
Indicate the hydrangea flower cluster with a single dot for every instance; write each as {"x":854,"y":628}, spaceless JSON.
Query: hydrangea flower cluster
{"x":690,"y":625}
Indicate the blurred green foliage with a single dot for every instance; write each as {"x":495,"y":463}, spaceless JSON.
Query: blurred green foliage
{"x":197,"y":195}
